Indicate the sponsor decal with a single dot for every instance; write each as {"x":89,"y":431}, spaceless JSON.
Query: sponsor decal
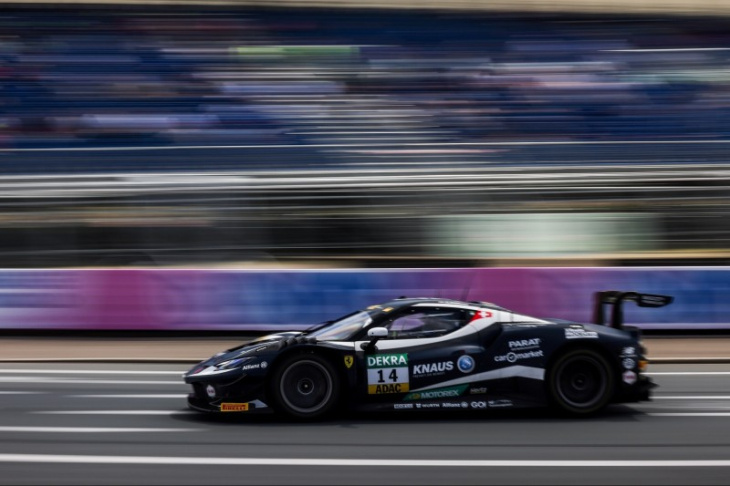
{"x":428,"y":405}
{"x":210,"y":390}
{"x":513,"y":357}
{"x":387,"y":360}
{"x":464,"y":405}
{"x":387,"y":388}
{"x":255,"y":366}
{"x":629,"y":377}
{"x":451,"y":405}
{"x":466,"y":364}
{"x":500,"y":403}
{"x":478,"y":391}
{"x":579,"y":333}
{"x":373,"y":307}
{"x":433,"y":369}
{"x":450,"y":392}
{"x":524,"y":344}
{"x":388,"y":373}
{"x":478,"y":404}
{"x":629,"y":363}
{"x":387,"y":309}
{"x":234,"y":407}
{"x":401,"y":406}
{"x":481,"y":314}
{"x":349,"y":360}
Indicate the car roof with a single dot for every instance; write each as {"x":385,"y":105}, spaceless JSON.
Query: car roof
{"x":409,"y":301}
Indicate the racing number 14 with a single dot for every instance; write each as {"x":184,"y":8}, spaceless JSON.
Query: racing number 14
{"x":393,"y":376}
{"x":387,"y":373}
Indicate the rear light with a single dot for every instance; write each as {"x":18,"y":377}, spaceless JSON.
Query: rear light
{"x":643,"y":364}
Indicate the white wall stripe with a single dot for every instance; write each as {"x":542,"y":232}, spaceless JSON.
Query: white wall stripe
{"x":169,"y":148}
{"x":176,"y":396}
{"x":89,"y":372}
{"x":252,"y":461}
{"x":26,"y":379}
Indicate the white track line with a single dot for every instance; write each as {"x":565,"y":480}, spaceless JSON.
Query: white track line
{"x":689,"y":414}
{"x":252,"y":461}
{"x":93,"y":430}
{"x":687,"y":373}
{"x":699,"y":397}
{"x":115,"y":412}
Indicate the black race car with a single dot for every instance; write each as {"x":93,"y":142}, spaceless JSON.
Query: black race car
{"x":433,"y":354}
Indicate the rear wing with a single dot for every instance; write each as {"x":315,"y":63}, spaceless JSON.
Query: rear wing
{"x":616,"y":299}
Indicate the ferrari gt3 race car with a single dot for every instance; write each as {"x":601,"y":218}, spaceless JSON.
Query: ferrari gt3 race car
{"x":432,"y":354}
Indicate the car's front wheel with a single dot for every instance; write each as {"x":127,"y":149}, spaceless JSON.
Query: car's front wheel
{"x":580,"y":382}
{"x":305,"y":387}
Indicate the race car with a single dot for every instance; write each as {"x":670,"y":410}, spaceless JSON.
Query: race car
{"x":433,"y":354}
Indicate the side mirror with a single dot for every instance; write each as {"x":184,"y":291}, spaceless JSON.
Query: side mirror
{"x":377,"y":333}
{"x":374,"y":334}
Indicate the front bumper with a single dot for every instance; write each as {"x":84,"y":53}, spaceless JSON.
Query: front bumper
{"x":207,"y":406}
{"x":240,"y":395}
{"x":639,"y":391}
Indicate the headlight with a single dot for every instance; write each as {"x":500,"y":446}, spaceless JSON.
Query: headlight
{"x":233,"y":363}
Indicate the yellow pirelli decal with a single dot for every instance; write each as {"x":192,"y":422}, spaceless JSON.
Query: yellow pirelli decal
{"x":234,"y":407}
{"x":387,"y":388}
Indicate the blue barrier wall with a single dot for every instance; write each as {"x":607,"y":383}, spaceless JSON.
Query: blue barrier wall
{"x":296,"y":299}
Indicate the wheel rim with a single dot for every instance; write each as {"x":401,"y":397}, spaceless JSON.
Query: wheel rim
{"x":582,"y":381}
{"x":306,"y":386}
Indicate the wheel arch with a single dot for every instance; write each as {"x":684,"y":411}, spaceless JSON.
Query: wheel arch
{"x":332,"y":356}
{"x":584,"y":345}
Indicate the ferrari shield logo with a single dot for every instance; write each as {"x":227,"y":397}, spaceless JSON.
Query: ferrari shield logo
{"x":349,"y":360}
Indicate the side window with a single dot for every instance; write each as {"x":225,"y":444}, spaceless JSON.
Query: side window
{"x":425,"y":322}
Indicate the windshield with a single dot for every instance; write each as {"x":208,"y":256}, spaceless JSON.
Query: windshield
{"x":343,"y":329}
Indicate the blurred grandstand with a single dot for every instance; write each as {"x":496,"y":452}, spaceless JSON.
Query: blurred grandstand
{"x":361,"y":137}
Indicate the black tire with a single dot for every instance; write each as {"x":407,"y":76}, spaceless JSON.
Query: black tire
{"x":305,"y":387}
{"x":580,"y":382}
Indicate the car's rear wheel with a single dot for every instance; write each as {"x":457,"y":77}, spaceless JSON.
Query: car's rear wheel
{"x":580,"y":382}
{"x":305,"y":387}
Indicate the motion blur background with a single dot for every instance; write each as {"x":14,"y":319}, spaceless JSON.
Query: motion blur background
{"x":463,"y":134}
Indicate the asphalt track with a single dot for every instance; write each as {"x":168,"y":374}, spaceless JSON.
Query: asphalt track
{"x":127,"y":423}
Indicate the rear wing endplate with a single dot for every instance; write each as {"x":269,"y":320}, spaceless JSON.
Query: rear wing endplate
{"x":616,"y":299}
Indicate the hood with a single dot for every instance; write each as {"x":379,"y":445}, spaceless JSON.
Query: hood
{"x":252,"y":348}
